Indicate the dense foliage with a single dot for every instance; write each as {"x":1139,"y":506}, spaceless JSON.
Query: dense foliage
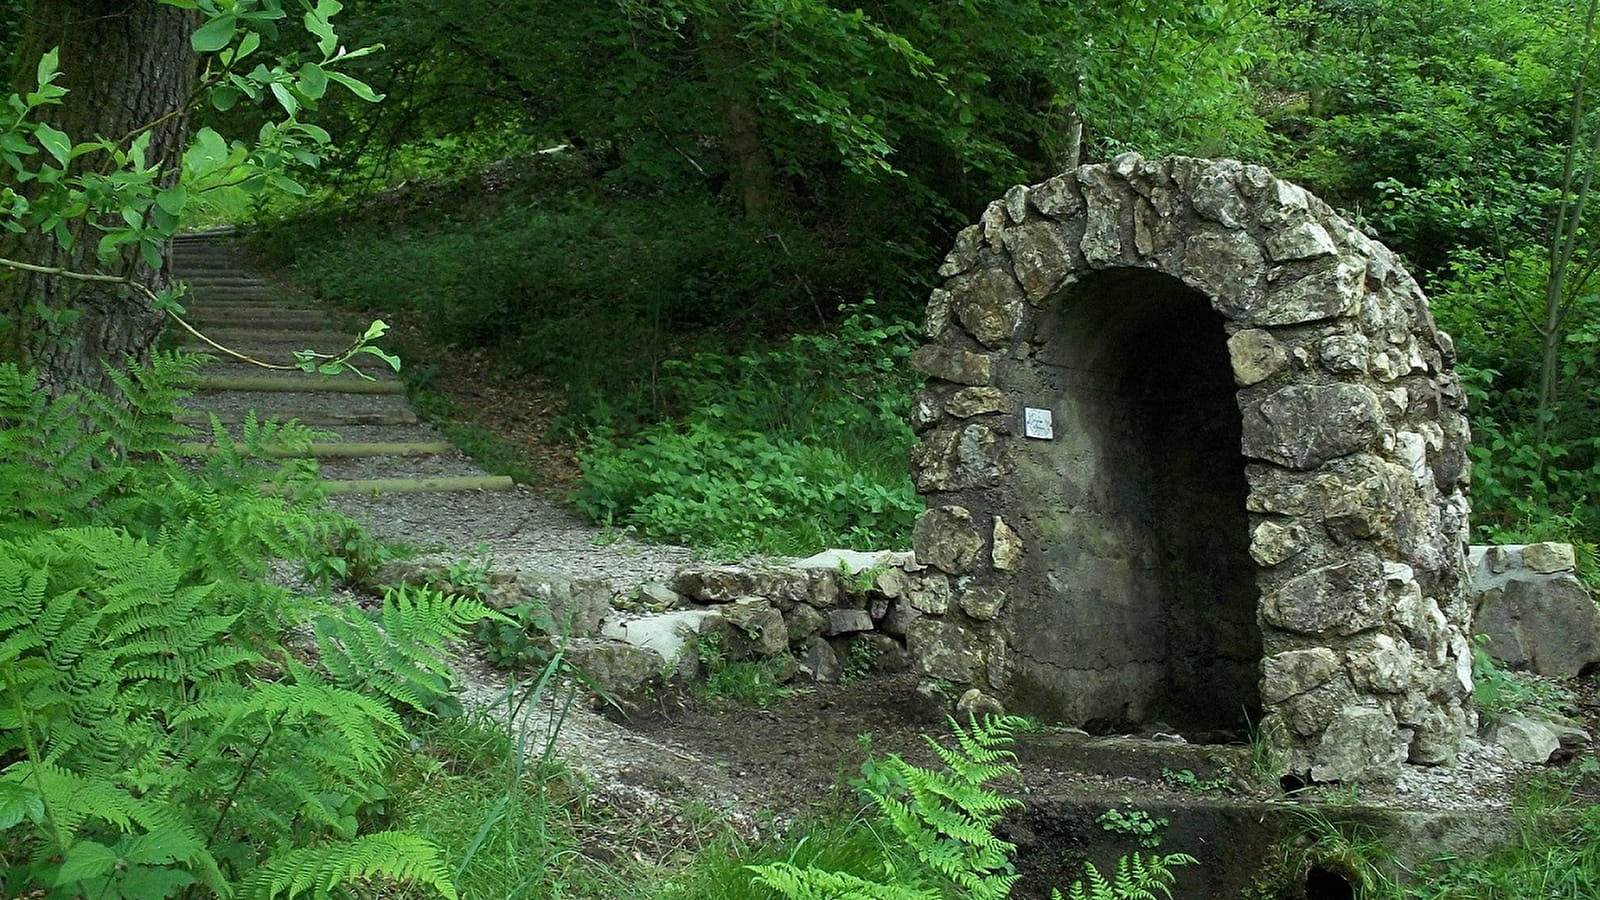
{"x":786,"y":450}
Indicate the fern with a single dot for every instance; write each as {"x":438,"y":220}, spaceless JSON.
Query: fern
{"x":1136,"y":878}
{"x":395,"y":855}
{"x":947,"y":818}
{"x":401,"y":656}
{"x":156,"y":736}
{"x":814,"y":884}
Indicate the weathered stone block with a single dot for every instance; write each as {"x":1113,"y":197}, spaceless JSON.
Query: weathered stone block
{"x":1271,"y":543}
{"x":1304,"y":425}
{"x":756,"y":628}
{"x":930,"y":594}
{"x":939,"y":649}
{"x":576,"y":605}
{"x":1548,"y":557}
{"x":959,"y":366}
{"x":964,"y":255}
{"x":1526,"y":740}
{"x":1106,"y":197}
{"x":897,"y":621}
{"x":1381,"y":667}
{"x":616,"y":668}
{"x":988,"y":303}
{"x":1008,"y":546}
{"x":1307,"y":240}
{"x":946,"y":537}
{"x":822,"y":661}
{"x":1360,"y":744}
{"x":803,"y":623}
{"x":1057,"y":197}
{"x":847,"y":621}
{"x":1293,"y":672}
{"x":1344,"y":598}
{"x":958,"y":459}
{"x":1547,"y":624}
{"x":982,"y":603}
{"x":1227,"y":267}
{"x":1042,"y":257}
{"x":1256,"y":356}
{"x":977,"y":401}
{"x":1331,"y":291}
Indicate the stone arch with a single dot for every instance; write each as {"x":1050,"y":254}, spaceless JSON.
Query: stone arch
{"x":1252,"y":503}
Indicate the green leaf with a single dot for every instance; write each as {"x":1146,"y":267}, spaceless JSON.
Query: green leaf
{"x":313,"y":81}
{"x":56,"y":143}
{"x":215,"y":34}
{"x":285,"y":99}
{"x":173,"y":200}
{"x":286,"y":184}
{"x":207,"y":152}
{"x":85,"y":859}
{"x":389,"y":358}
{"x":16,"y":801}
{"x":317,"y":23}
{"x":49,"y":67}
{"x":223,"y":97}
{"x":356,"y":86}
{"x":375,"y":330}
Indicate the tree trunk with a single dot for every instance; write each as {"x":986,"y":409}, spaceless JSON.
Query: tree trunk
{"x":753,"y":172}
{"x":126,"y":63}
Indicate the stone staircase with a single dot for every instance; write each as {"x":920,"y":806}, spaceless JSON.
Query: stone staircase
{"x":374,"y":441}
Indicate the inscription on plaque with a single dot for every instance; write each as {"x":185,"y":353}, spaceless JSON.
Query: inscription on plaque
{"x":1036,"y":423}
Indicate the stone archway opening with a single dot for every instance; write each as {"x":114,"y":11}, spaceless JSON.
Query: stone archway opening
{"x":1142,"y":572}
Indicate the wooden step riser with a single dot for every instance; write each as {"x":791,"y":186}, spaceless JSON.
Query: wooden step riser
{"x":235,"y":321}
{"x":334,"y":451}
{"x":301,"y":383}
{"x":314,"y":418}
{"x":420,"y":485}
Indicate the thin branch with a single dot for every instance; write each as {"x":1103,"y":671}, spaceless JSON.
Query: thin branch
{"x":347,"y":353}
{"x":64,"y":273}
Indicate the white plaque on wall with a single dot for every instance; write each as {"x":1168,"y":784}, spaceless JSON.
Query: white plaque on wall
{"x":1036,"y":423}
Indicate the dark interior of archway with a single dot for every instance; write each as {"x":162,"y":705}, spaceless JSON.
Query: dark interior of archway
{"x":1172,"y":428}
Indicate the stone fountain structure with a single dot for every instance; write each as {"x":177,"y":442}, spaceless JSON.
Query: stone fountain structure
{"x":1196,"y":442}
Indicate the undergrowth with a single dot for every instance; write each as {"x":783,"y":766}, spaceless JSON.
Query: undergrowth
{"x":160,"y":737}
{"x":785,"y":451}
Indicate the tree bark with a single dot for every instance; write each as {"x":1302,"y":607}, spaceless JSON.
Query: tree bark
{"x":753,"y":171}
{"x":126,"y":64}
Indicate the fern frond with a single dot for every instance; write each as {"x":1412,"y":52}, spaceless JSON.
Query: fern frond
{"x":796,"y":883}
{"x":401,"y":658}
{"x":394,"y":855}
{"x":1137,"y":877}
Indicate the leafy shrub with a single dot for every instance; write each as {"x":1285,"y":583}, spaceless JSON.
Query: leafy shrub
{"x":158,"y":735}
{"x":783,"y":451}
